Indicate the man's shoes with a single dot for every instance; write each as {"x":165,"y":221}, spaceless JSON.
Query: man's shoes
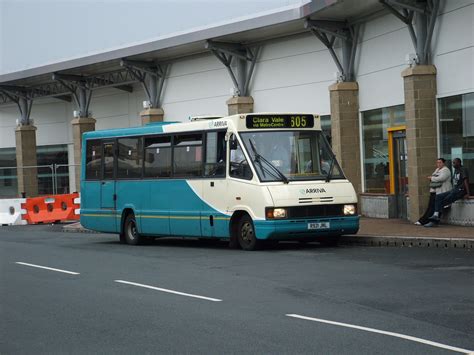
{"x":417,"y":223}
{"x":430,"y":225}
{"x":434,"y":218}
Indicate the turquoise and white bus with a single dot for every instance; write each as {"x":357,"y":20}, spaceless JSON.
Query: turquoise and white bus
{"x":249,"y":178}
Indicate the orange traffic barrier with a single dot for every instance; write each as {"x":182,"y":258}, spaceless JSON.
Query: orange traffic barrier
{"x":50,"y":209}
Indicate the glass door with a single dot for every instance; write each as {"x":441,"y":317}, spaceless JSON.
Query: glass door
{"x":398,"y":169}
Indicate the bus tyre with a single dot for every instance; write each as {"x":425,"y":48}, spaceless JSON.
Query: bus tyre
{"x":130,"y":230}
{"x":246,"y":234}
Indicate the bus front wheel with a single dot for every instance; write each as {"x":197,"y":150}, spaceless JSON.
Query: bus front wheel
{"x":130,"y":230}
{"x":246,"y":234}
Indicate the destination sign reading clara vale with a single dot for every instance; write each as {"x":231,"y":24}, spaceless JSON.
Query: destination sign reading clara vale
{"x":279,"y":121}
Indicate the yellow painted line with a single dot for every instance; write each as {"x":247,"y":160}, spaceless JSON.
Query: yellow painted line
{"x":183,"y":217}
{"x":98,"y":215}
{"x":157,"y":217}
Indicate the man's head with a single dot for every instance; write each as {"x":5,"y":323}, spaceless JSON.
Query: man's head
{"x":440,"y":162}
{"x":456,"y":163}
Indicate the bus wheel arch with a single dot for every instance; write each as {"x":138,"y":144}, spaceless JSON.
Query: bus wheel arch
{"x":243,"y":231}
{"x":129,"y":228}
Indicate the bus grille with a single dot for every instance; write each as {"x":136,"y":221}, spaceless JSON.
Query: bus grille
{"x":316,"y":211}
{"x":310,"y":200}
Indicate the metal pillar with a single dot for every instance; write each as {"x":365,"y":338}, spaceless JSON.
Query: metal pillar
{"x":23,"y":98}
{"x":424,"y":13}
{"x":152,"y":77}
{"x":245,"y":59}
{"x":80,"y":89}
{"x":327,"y":32}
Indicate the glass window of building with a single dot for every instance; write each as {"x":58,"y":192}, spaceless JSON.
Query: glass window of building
{"x":8,"y":176}
{"x":456,"y":127}
{"x":326,"y":127}
{"x":375,"y":125}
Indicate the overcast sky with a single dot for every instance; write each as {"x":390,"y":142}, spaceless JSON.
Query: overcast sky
{"x":38,"y":32}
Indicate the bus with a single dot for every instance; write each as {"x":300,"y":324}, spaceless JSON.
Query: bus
{"x":249,"y":178}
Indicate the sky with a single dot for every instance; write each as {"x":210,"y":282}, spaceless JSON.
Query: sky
{"x":38,"y":32}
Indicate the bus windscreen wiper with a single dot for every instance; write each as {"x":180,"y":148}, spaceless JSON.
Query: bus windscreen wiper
{"x":259,"y":159}
{"x":331,"y":166}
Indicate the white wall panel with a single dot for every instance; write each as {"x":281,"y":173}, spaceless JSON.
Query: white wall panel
{"x":110,"y":106}
{"x":112,"y":122}
{"x":381,"y":89}
{"x":312,"y":98}
{"x":454,"y":30}
{"x":180,"y":111}
{"x":52,"y":133}
{"x":455,"y":72}
{"x":380,"y":61}
{"x":454,"y":49}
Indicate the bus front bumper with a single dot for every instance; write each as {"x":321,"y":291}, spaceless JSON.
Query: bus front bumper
{"x":295,"y":229}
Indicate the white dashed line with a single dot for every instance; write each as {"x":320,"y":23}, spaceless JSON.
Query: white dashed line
{"x":168,"y":291}
{"x":398,"y":335}
{"x":48,"y":268}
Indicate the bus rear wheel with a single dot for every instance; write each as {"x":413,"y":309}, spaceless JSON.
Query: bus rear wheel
{"x":246,"y":234}
{"x":130,"y":230}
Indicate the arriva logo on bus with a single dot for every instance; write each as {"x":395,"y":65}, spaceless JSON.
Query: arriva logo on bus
{"x":217,"y":124}
{"x":312,"y":191}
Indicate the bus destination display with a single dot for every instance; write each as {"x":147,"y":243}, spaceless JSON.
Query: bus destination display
{"x":279,"y":121}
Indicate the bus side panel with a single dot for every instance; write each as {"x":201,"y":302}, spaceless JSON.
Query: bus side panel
{"x":92,"y":215}
{"x":155,"y":212}
{"x":185,"y":208}
{"x":214,"y":223}
{"x":130,"y":194}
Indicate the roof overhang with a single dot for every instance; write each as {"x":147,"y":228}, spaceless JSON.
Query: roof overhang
{"x":246,"y":30}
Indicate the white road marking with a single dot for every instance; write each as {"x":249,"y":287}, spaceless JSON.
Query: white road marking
{"x":398,"y":335}
{"x":168,"y":291}
{"x":48,"y":268}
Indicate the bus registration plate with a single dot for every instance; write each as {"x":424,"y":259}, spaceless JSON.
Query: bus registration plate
{"x":319,"y":225}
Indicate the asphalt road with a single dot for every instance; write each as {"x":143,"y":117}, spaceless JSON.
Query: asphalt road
{"x":189,"y":296}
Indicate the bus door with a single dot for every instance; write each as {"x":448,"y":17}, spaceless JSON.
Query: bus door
{"x":214,"y":186}
{"x":107,"y":185}
{"x":185,"y":191}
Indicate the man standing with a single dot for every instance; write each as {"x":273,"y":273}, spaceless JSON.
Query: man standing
{"x":460,"y":190}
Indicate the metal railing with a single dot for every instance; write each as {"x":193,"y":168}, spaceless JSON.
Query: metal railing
{"x":51,"y":179}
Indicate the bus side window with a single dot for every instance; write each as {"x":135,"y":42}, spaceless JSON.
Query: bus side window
{"x":187,"y":155}
{"x":129,"y":162}
{"x":158,"y":157}
{"x":215,"y":154}
{"x":239,"y":167}
{"x":108,"y":161}
{"x":93,"y":159}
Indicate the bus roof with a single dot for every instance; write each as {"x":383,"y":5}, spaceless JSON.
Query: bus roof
{"x":239,"y":122}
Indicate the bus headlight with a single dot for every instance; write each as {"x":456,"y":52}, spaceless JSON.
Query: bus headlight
{"x":276,"y":213}
{"x":349,"y":210}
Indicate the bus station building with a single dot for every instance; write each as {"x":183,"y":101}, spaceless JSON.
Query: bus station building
{"x":392,"y":80}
